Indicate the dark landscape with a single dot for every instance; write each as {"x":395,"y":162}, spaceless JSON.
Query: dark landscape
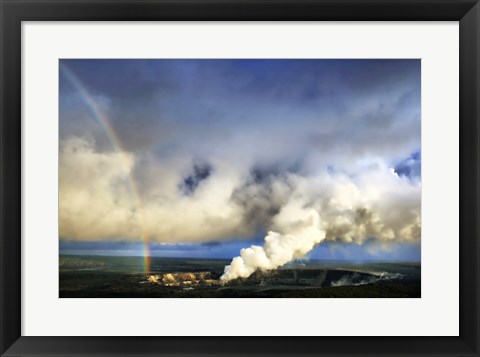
{"x":123,"y":277}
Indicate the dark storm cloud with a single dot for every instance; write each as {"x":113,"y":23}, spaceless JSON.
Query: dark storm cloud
{"x":152,"y":103}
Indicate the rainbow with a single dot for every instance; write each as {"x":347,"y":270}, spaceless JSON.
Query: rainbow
{"x":104,"y":123}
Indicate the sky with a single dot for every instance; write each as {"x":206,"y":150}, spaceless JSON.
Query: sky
{"x":200,"y":158}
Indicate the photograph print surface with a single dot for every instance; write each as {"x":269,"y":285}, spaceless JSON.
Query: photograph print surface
{"x":239,"y":178}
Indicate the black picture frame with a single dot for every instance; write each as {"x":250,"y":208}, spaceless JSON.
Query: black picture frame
{"x":13,"y":12}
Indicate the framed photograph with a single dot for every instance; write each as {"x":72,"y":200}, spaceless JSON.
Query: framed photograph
{"x":239,"y":178}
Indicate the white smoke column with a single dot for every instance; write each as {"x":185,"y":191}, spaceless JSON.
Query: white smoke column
{"x":378,"y":204}
{"x":279,"y":249}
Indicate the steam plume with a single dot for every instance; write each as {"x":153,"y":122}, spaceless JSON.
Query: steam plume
{"x":278,"y":249}
{"x":346,"y":211}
